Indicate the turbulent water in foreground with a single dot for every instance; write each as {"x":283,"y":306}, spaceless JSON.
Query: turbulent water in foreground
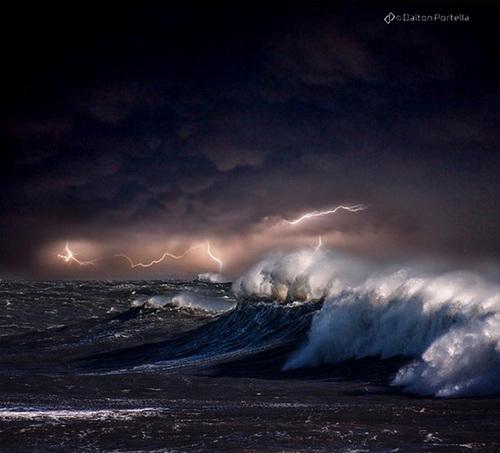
{"x":328,"y":366}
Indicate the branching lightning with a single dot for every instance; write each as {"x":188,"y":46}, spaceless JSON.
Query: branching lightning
{"x":159,"y":260}
{"x":68,"y":256}
{"x":175,"y":257}
{"x":309,"y":215}
{"x":217,"y":260}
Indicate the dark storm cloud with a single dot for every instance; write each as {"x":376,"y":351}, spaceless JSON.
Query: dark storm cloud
{"x":206,"y":120}
{"x":112,"y":104}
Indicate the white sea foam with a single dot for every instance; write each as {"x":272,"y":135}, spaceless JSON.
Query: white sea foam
{"x":449,"y":323}
{"x":76,"y":414}
{"x":464,"y":361}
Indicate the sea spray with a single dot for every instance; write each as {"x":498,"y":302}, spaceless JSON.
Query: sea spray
{"x":301,"y":276}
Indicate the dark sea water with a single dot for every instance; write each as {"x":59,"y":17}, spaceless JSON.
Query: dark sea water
{"x":182,"y":366}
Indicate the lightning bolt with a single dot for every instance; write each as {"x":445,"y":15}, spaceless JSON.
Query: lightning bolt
{"x":217,"y":260}
{"x":159,"y":260}
{"x":309,"y":215}
{"x":318,"y":245}
{"x":68,"y":256}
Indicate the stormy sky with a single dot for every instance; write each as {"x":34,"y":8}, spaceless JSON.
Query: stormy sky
{"x":146,"y":127}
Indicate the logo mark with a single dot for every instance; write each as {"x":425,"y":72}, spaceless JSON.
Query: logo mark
{"x":389,"y":18}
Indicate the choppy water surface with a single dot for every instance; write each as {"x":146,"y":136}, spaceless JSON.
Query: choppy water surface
{"x":184,"y":366}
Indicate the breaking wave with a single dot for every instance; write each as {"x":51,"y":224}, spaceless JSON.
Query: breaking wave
{"x":449,"y":324}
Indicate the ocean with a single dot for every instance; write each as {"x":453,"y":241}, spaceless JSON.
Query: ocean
{"x":199,"y":366}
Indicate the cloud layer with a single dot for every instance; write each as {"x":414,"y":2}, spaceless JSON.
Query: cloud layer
{"x":184,"y":123}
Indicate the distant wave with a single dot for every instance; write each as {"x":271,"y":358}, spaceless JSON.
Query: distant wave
{"x":212,"y":277}
{"x":185,"y":300}
{"x":449,"y":323}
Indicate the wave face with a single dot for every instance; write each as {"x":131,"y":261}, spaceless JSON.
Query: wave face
{"x":449,"y":323}
{"x":246,"y":330}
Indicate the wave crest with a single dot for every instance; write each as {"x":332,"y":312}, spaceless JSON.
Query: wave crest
{"x":300,"y":276}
